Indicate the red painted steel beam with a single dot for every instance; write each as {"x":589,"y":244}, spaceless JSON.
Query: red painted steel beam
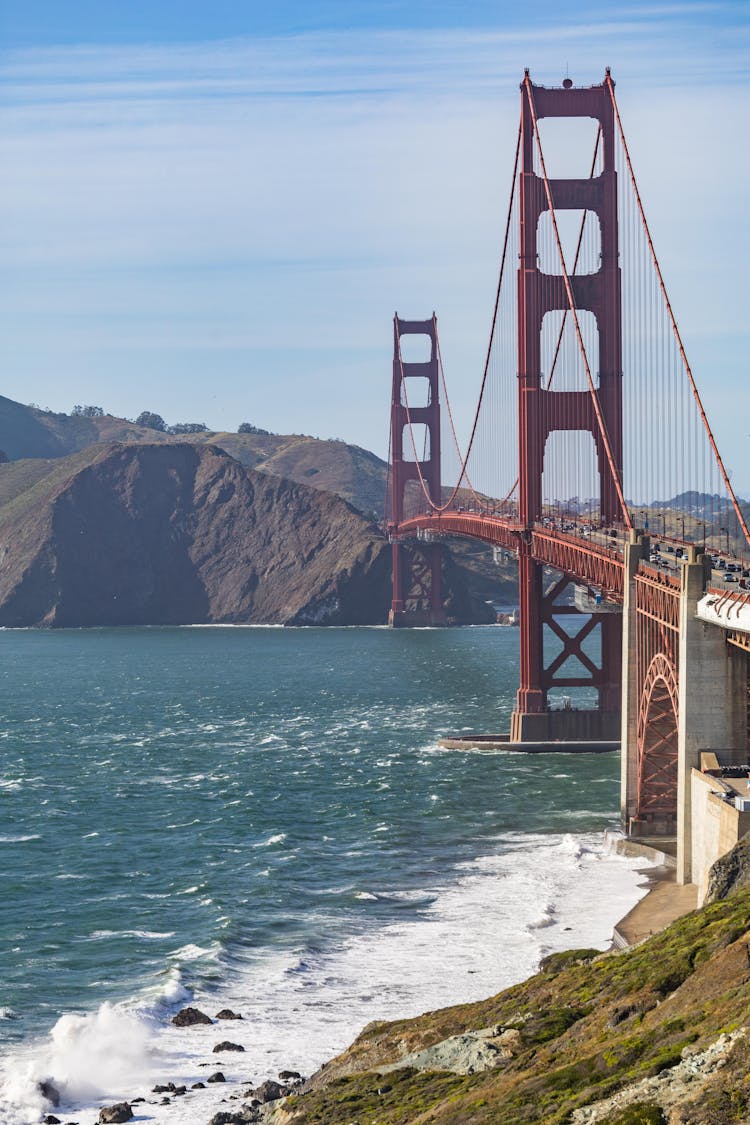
{"x":579,"y":559}
{"x":488,"y":529}
{"x":601,"y":567}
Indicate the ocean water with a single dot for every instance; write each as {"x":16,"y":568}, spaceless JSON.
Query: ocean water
{"x":261,"y":819}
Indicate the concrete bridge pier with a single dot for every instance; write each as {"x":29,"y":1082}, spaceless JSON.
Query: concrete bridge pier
{"x":712,"y":712}
{"x":684,"y":692}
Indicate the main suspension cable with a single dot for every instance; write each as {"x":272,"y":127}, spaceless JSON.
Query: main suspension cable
{"x":463,"y":474}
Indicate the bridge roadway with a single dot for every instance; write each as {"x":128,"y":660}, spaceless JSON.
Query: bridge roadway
{"x":597,"y":560}
{"x":590,"y":562}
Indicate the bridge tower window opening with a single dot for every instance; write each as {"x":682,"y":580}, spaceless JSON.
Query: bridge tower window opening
{"x":416,"y":347}
{"x":420,"y":433}
{"x":561,"y":361}
{"x":571,"y":484}
{"x":581,"y":238}
{"x":568,"y":144}
{"x":416,"y":392}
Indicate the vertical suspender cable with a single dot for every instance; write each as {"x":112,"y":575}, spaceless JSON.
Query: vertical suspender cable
{"x":675,"y":329}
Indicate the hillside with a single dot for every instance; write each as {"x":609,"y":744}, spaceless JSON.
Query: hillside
{"x":175,"y":532}
{"x":355,"y":474}
{"x":653,"y":1035}
{"x":348,"y":471}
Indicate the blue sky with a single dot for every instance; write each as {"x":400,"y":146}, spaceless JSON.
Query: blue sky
{"x":211,"y":210}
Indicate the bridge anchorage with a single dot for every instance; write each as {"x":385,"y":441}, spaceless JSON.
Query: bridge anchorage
{"x":591,"y":459}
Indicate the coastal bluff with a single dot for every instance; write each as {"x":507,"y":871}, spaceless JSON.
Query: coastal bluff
{"x":653,"y":1035}
{"x":180,"y":533}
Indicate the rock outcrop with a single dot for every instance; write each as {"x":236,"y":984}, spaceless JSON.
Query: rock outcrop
{"x":190,"y":1017}
{"x":730,"y":872}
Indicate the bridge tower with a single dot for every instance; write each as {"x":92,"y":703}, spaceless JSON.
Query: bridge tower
{"x":417,"y":565}
{"x":542,"y":411}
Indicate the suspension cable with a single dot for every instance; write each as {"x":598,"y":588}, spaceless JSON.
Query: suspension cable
{"x":463,"y":474}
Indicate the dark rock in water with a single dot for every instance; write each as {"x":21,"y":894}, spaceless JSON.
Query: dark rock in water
{"x":243,"y":1118}
{"x":269,"y":1091}
{"x":49,"y":1090}
{"x":228,"y":1014}
{"x":286,"y":1075}
{"x":114,"y":1114}
{"x":198,"y":1086}
{"x":190,"y":1017}
{"x":217,"y":1077}
{"x":227,"y":1046}
{"x":136,"y":1101}
{"x":730,"y":872}
{"x":165,"y":1101}
{"x":50,"y":1119}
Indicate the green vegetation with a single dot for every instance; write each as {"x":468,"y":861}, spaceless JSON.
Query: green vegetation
{"x":647,"y":1113}
{"x":589,"y":1025}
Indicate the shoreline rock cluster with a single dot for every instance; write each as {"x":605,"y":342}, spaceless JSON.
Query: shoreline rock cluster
{"x":655,"y":1034}
{"x":255,"y":1100}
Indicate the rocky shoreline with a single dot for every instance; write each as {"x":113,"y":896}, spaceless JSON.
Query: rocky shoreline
{"x":254,"y":1101}
{"x":472,"y":1052}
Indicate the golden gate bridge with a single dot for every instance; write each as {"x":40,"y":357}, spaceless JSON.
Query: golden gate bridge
{"x":590,"y":457}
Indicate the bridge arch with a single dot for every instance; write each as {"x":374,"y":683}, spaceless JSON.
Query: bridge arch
{"x":657,"y":742}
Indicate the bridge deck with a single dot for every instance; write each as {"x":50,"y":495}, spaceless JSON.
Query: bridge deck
{"x":595,"y":563}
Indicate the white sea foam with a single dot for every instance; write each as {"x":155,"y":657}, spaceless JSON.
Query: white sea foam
{"x":279,"y":838}
{"x":19,"y":839}
{"x":11,"y":784}
{"x":102,"y":1055}
{"x":148,"y":934}
{"x":532,"y":895}
{"x":192,"y":952}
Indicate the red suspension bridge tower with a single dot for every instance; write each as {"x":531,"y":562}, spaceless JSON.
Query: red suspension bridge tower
{"x":542,"y":411}
{"x":644,"y":601}
{"x":417,"y":585}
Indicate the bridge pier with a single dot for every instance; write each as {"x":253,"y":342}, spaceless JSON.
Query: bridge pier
{"x":712,"y":701}
{"x":684,"y":693}
{"x":417,"y":586}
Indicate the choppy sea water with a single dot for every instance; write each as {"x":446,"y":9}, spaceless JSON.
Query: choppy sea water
{"x":261,"y":819}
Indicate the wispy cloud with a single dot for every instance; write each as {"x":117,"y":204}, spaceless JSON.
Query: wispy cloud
{"x":247,"y":214}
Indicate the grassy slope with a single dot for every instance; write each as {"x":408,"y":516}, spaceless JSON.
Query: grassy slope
{"x":332,"y":466}
{"x":588,"y":1028}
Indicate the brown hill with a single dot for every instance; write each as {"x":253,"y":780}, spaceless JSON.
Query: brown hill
{"x":175,"y":532}
{"x":333,"y":466}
